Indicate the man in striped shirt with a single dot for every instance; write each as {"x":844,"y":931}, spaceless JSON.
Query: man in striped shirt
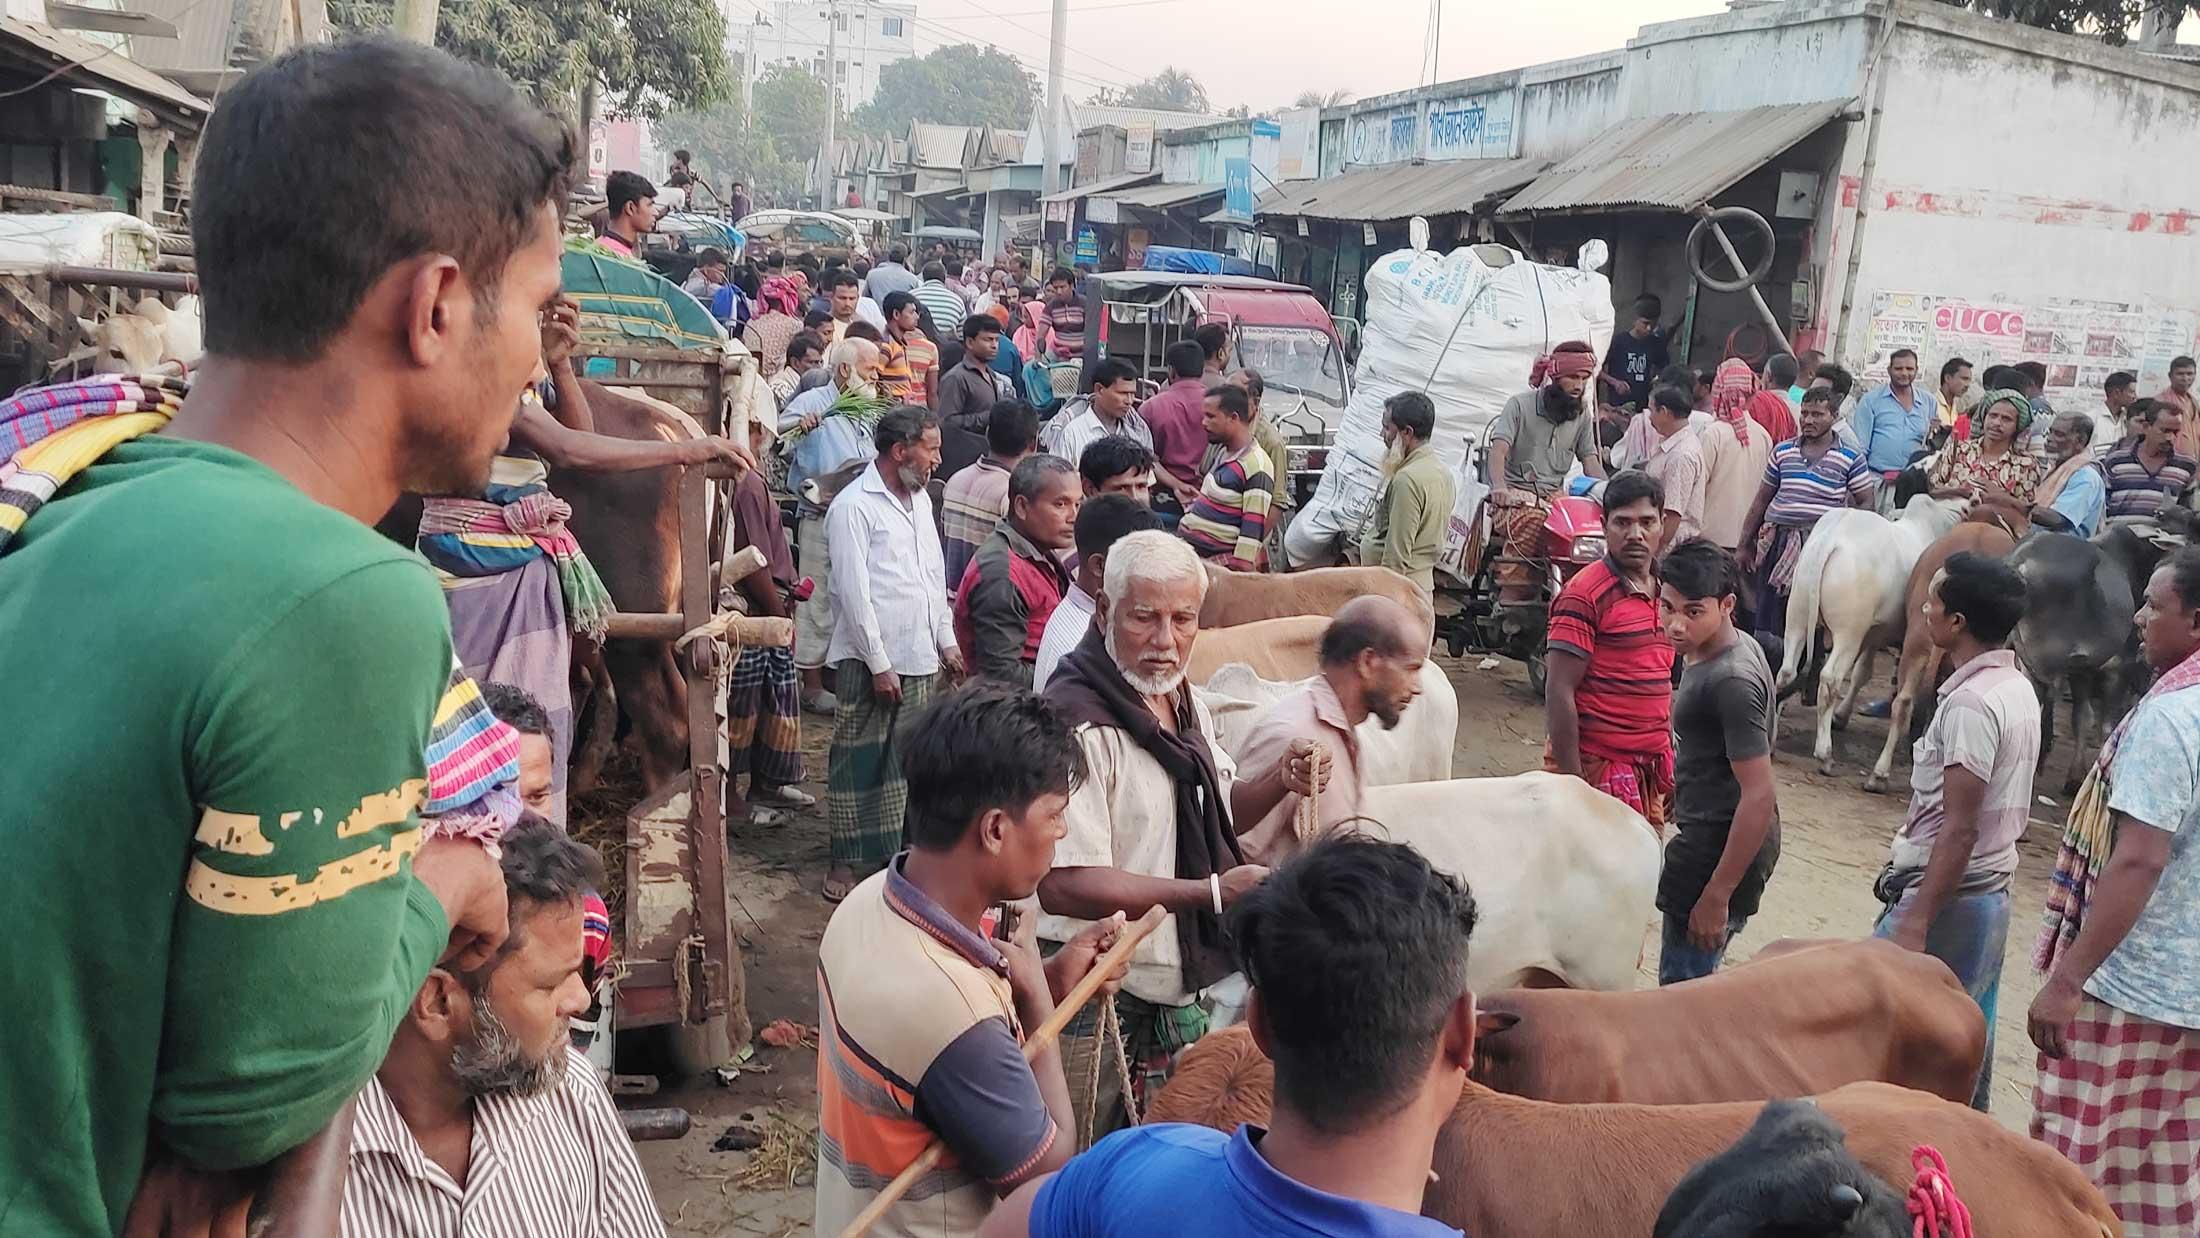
{"x":942,"y":302}
{"x":483,"y":1119}
{"x":1609,"y":700}
{"x":2147,"y":472}
{"x":1228,"y":522}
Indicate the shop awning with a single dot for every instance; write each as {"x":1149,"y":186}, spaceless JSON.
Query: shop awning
{"x":1401,"y":191}
{"x":1162,"y":197}
{"x":1675,"y":163}
{"x":73,"y":58}
{"x":1124,"y":181}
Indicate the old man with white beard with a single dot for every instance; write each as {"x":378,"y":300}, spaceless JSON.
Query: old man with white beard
{"x":1152,"y":822}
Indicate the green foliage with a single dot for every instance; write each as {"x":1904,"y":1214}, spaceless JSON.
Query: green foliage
{"x":1172,"y":89}
{"x":2112,"y":20}
{"x":644,"y":55}
{"x":959,"y":85}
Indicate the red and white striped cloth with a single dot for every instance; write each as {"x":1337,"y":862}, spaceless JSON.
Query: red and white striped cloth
{"x":2124,"y":1105}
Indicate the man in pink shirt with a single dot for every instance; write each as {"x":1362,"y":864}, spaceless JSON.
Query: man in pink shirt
{"x":630,"y":203}
{"x":1177,"y":416}
{"x":1371,"y":655}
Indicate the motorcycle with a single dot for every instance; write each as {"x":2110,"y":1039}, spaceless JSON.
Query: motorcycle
{"x":1570,"y":538}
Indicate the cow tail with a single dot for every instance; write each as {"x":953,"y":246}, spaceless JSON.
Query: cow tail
{"x":1802,"y":610}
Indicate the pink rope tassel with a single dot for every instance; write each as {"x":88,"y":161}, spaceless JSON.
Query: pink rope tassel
{"x":1934,"y":1209}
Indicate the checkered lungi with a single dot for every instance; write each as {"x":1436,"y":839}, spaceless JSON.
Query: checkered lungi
{"x":764,"y":718}
{"x":1153,"y":1038}
{"x":2124,"y":1105}
{"x":863,"y":772}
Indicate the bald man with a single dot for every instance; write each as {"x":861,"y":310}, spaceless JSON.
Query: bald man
{"x":1371,"y":656}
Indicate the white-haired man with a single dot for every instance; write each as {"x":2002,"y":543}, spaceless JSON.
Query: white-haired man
{"x":831,"y":450}
{"x":1151,"y":823}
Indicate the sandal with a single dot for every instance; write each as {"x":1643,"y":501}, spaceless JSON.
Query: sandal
{"x":838,"y":888}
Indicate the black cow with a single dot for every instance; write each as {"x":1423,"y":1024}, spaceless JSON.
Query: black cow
{"x":2081,"y":598}
{"x":1790,"y":1175}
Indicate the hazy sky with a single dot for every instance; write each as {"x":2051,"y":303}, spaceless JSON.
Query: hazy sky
{"x":1264,"y":52}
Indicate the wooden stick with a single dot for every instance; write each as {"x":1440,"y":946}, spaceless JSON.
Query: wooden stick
{"x":1134,"y":932}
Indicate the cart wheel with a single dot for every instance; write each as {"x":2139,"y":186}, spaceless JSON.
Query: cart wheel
{"x":1538,"y":673}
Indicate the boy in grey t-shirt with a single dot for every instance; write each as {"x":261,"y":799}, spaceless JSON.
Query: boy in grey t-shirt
{"x":1727,"y":821}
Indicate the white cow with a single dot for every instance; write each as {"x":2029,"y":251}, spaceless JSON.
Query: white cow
{"x":148,"y":334}
{"x":1850,"y":579}
{"x":1417,"y":750}
{"x":1564,"y":876}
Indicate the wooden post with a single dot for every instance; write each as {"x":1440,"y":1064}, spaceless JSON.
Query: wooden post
{"x":416,"y":19}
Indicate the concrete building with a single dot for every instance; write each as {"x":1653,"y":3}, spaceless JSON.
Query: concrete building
{"x":864,"y":35}
{"x":1931,"y":178}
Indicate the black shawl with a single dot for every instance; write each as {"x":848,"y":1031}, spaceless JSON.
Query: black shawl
{"x":1089,"y":687}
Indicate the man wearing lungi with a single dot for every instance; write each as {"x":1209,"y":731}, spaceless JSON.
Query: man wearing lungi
{"x":1543,"y":432}
{"x":893,"y":634}
{"x":2118,"y":1020}
{"x":763,"y":696}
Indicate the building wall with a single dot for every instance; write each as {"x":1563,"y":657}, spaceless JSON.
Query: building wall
{"x":2031,"y":173}
{"x":870,"y":35}
{"x":1774,"y":53}
{"x":1564,"y":106}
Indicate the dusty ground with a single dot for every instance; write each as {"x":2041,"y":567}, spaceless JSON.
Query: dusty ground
{"x":1834,"y":843}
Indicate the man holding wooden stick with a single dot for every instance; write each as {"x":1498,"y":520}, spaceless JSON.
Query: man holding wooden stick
{"x":922,"y":1010}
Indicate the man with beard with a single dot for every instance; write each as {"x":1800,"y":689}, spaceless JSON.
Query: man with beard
{"x":1151,"y":823}
{"x":1534,"y":443}
{"x":1414,"y":509}
{"x":1371,"y":655}
{"x":831,"y":449}
{"x":483,"y":1118}
{"x":893,"y":633}
{"x":236,"y":898}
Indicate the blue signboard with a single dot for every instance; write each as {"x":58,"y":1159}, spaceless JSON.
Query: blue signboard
{"x":1237,"y":190}
{"x":1088,"y":247}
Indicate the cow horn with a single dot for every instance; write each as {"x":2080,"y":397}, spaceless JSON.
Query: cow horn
{"x":1846,"y":1200}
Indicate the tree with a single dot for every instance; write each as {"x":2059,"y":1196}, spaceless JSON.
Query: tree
{"x":2112,"y":20}
{"x":1170,"y":90}
{"x":1322,"y":98}
{"x":727,"y":148}
{"x":963,"y":84}
{"x":643,"y":55}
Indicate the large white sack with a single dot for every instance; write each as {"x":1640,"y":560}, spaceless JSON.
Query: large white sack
{"x":1465,"y":327}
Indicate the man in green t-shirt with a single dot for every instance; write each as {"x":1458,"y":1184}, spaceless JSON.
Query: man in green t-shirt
{"x":221,"y":680}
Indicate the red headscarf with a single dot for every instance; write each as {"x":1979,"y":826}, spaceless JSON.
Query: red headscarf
{"x":1770,"y":410}
{"x":778,"y":293}
{"x":1572,"y":359}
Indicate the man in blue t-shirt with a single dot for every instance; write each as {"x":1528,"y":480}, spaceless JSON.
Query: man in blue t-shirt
{"x":1640,"y":351}
{"x":1369,"y":1062}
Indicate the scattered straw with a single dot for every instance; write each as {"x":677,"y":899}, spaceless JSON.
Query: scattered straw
{"x":787,"y":1159}
{"x":598,"y":820}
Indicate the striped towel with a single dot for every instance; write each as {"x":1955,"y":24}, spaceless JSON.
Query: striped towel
{"x":50,"y":434}
{"x":473,"y":767}
{"x":516,"y":521}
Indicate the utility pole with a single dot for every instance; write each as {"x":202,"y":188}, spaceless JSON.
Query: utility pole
{"x":832,"y":107}
{"x":415,"y":20}
{"x":748,"y":76}
{"x":1050,"y":135}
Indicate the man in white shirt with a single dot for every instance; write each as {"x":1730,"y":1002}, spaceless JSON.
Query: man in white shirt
{"x":483,"y":1119}
{"x":893,"y":633}
{"x":1151,"y":823}
{"x":1107,"y":410}
{"x":1101,"y":523}
{"x":1676,"y":460}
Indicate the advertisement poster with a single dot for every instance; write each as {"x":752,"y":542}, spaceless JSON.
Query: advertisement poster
{"x":2080,"y":342}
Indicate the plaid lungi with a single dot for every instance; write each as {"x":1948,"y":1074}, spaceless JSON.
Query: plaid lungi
{"x":764,"y":718}
{"x":1644,"y":783}
{"x":2124,"y":1105}
{"x":1153,"y":1037}
{"x":863,"y":772}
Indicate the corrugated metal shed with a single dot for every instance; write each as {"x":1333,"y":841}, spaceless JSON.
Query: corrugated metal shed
{"x":938,"y":146}
{"x":1403,"y":190}
{"x":1673,"y":162}
{"x":1125,"y":181}
{"x":1162,"y":197}
{"x":74,"y":58}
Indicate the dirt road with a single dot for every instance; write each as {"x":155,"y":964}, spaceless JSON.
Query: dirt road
{"x":1834,"y":841}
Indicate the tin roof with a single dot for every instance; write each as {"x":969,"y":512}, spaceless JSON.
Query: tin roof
{"x":1675,"y":162}
{"x":1125,"y":181}
{"x":75,"y":58}
{"x":1401,"y":190}
{"x":1162,"y":197}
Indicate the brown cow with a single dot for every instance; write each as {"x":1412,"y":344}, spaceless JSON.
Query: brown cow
{"x":1508,"y":1167}
{"x":1235,"y":598}
{"x":1802,"y":1022}
{"x":1920,"y":664}
{"x":1281,"y":650}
